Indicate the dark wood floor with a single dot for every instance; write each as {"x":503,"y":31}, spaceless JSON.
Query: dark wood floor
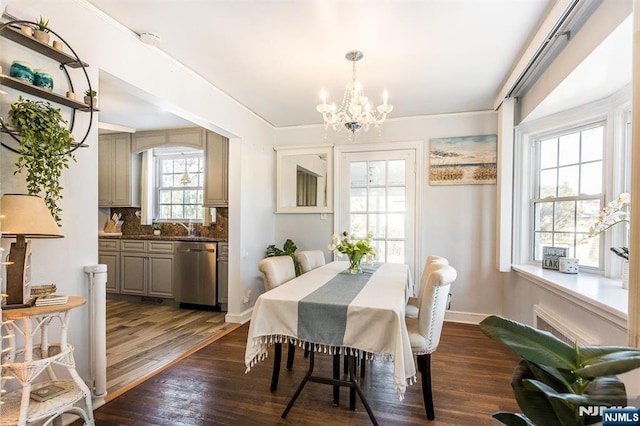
{"x":471,"y":376}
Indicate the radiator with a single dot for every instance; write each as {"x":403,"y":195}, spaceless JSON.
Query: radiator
{"x":547,"y":320}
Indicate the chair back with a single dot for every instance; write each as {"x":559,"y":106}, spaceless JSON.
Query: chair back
{"x":433,"y":305}
{"x":432,"y":263}
{"x":310,"y":259}
{"x":276,"y":271}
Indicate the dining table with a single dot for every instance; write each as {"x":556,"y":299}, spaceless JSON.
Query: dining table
{"x":330,"y":310}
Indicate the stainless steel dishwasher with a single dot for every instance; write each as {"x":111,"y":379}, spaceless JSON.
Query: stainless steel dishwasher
{"x":195,"y":273}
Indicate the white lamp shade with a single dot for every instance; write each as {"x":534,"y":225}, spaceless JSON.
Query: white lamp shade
{"x":27,"y":215}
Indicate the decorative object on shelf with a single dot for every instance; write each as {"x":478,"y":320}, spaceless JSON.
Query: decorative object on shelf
{"x":42,"y":78}
{"x":463,"y":160}
{"x":22,"y":71}
{"x":157,"y":228}
{"x":42,"y":31}
{"x":71,"y":95}
{"x":356,"y":250}
{"x":45,"y":149}
{"x":58,"y":45}
{"x":355,"y":112}
{"x":43,"y":290}
{"x":26,"y":30}
{"x":288,"y":249}
{"x":615,"y":212}
{"x":568,"y":265}
{"x":556,"y":379}
{"x":24,"y":216}
{"x":551,"y":256}
{"x":91,"y":98}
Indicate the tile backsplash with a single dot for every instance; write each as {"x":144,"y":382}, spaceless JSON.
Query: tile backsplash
{"x":132,"y":226}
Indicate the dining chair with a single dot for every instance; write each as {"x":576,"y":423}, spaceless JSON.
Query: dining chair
{"x":413,"y":304}
{"x":277,"y":270}
{"x":310,"y":259}
{"x":425,"y":330}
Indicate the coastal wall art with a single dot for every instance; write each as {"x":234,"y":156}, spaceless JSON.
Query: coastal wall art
{"x":463,"y":160}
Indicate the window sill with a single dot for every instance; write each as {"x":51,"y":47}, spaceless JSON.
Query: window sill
{"x":600,"y":295}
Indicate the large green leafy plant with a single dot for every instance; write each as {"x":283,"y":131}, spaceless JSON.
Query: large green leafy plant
{"x":44,"y":149}
{"x":554,"y":379}
{"x":288,"y":249}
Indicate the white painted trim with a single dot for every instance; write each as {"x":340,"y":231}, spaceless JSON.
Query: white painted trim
{"x":611,"y":301}
{"x":419,"y":170}
{"x":504,"y":188}
{"x":464,"y":317}
{"x":240,"y":318}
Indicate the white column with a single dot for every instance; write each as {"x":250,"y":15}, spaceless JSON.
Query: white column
{"x":98,"y":328}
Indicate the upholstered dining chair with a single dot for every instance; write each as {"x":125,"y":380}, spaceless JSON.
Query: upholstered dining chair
{"x":310,"y":259}
{"x":277,"y":270}
{"x":425,"y":330}
{"x":413,"y":304}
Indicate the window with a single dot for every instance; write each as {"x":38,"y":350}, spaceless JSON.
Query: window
{"x":569,"y":193}
{"x":179,"y":177}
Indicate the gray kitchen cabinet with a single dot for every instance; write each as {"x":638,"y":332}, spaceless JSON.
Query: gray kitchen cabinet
{"x":118,"y":172}
{"x":146,"y":268}
{"x":216,"y":171}
{"x":134,"y":273}
{"x":192,"y":137}
{"x":223,"y":275}
{"x":109,"y":254}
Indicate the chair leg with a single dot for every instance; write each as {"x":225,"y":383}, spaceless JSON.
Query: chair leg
{"x":290,"y":354}
{"x":363,"y":363}
{"x":424,"y":366}
{"x":306,"y":350}
{"x":277,"y":357}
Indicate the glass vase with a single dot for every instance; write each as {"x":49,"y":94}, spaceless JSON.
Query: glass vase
{"x":354,"y":265}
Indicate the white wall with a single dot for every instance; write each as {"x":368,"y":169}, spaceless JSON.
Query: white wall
{"x":458,"y":221}
{"x":108,"y":47}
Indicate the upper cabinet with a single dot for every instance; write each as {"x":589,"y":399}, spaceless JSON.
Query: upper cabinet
{"x":192,"y":137}
{"x":118,"y":172}
{"x":216,"y":192}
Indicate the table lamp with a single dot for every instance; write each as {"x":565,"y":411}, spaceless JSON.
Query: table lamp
{"x":23,"y":216}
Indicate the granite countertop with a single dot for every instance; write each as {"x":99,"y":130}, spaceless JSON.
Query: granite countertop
{"x":163,"y":238}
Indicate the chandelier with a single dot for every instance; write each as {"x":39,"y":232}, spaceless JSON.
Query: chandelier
{"x":355,"y":112}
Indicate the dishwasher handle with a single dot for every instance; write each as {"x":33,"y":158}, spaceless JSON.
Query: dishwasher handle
{"x":197,"y":250}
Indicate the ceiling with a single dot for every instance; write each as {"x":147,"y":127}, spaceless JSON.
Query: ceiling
{"x":275,"y":56}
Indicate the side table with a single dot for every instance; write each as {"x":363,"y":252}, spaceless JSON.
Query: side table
{"x":27,"y":363}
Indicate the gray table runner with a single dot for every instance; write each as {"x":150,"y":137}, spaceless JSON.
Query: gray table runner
{"x":327,"y":306}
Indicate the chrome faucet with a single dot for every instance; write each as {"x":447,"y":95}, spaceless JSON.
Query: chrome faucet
{"x":190,"y":229}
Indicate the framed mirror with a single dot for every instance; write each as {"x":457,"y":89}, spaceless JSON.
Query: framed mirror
{"x":304,"y":181}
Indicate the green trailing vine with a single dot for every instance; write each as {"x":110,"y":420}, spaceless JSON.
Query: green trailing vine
{"x":44,"y":149}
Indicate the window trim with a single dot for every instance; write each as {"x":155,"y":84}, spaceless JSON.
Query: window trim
{"x":158,"y":157}
{"x":613,"y":112}
{"x":535,"y":167}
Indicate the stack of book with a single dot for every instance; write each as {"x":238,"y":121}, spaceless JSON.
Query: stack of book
{"x":52,"y":299}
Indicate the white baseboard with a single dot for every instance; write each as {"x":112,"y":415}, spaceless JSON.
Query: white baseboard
{"x":464,"y":317}
{"x":240,"y":318}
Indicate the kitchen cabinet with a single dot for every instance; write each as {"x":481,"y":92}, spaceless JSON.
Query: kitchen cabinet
{"x":109,"y":254}
{"x":146,"y":268}
{"x":192,"y":137}
{"x":223,"y":275}
{"x":118,"y":172}
{"x":216,"y":171}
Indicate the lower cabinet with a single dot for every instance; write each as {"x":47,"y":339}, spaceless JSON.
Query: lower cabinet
{"x":142,"y":268}
{"x":109,"y":254}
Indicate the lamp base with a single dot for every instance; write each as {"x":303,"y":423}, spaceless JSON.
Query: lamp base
{"x":19,"y":273}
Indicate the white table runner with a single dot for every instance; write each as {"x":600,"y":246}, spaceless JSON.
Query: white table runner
{"x":374,"y":316}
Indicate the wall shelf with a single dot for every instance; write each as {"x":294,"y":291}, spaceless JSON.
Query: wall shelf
{"x":22,"y":86}
{"x":15,"y":35}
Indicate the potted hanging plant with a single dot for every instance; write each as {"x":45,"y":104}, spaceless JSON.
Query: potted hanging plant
{"x":42,"y":31}
{"x":44,"y":149}
{"x":91,"y":98}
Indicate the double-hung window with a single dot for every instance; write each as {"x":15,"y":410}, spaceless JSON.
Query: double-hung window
{"x":568,"y":192}
{"x":179,"y":181}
